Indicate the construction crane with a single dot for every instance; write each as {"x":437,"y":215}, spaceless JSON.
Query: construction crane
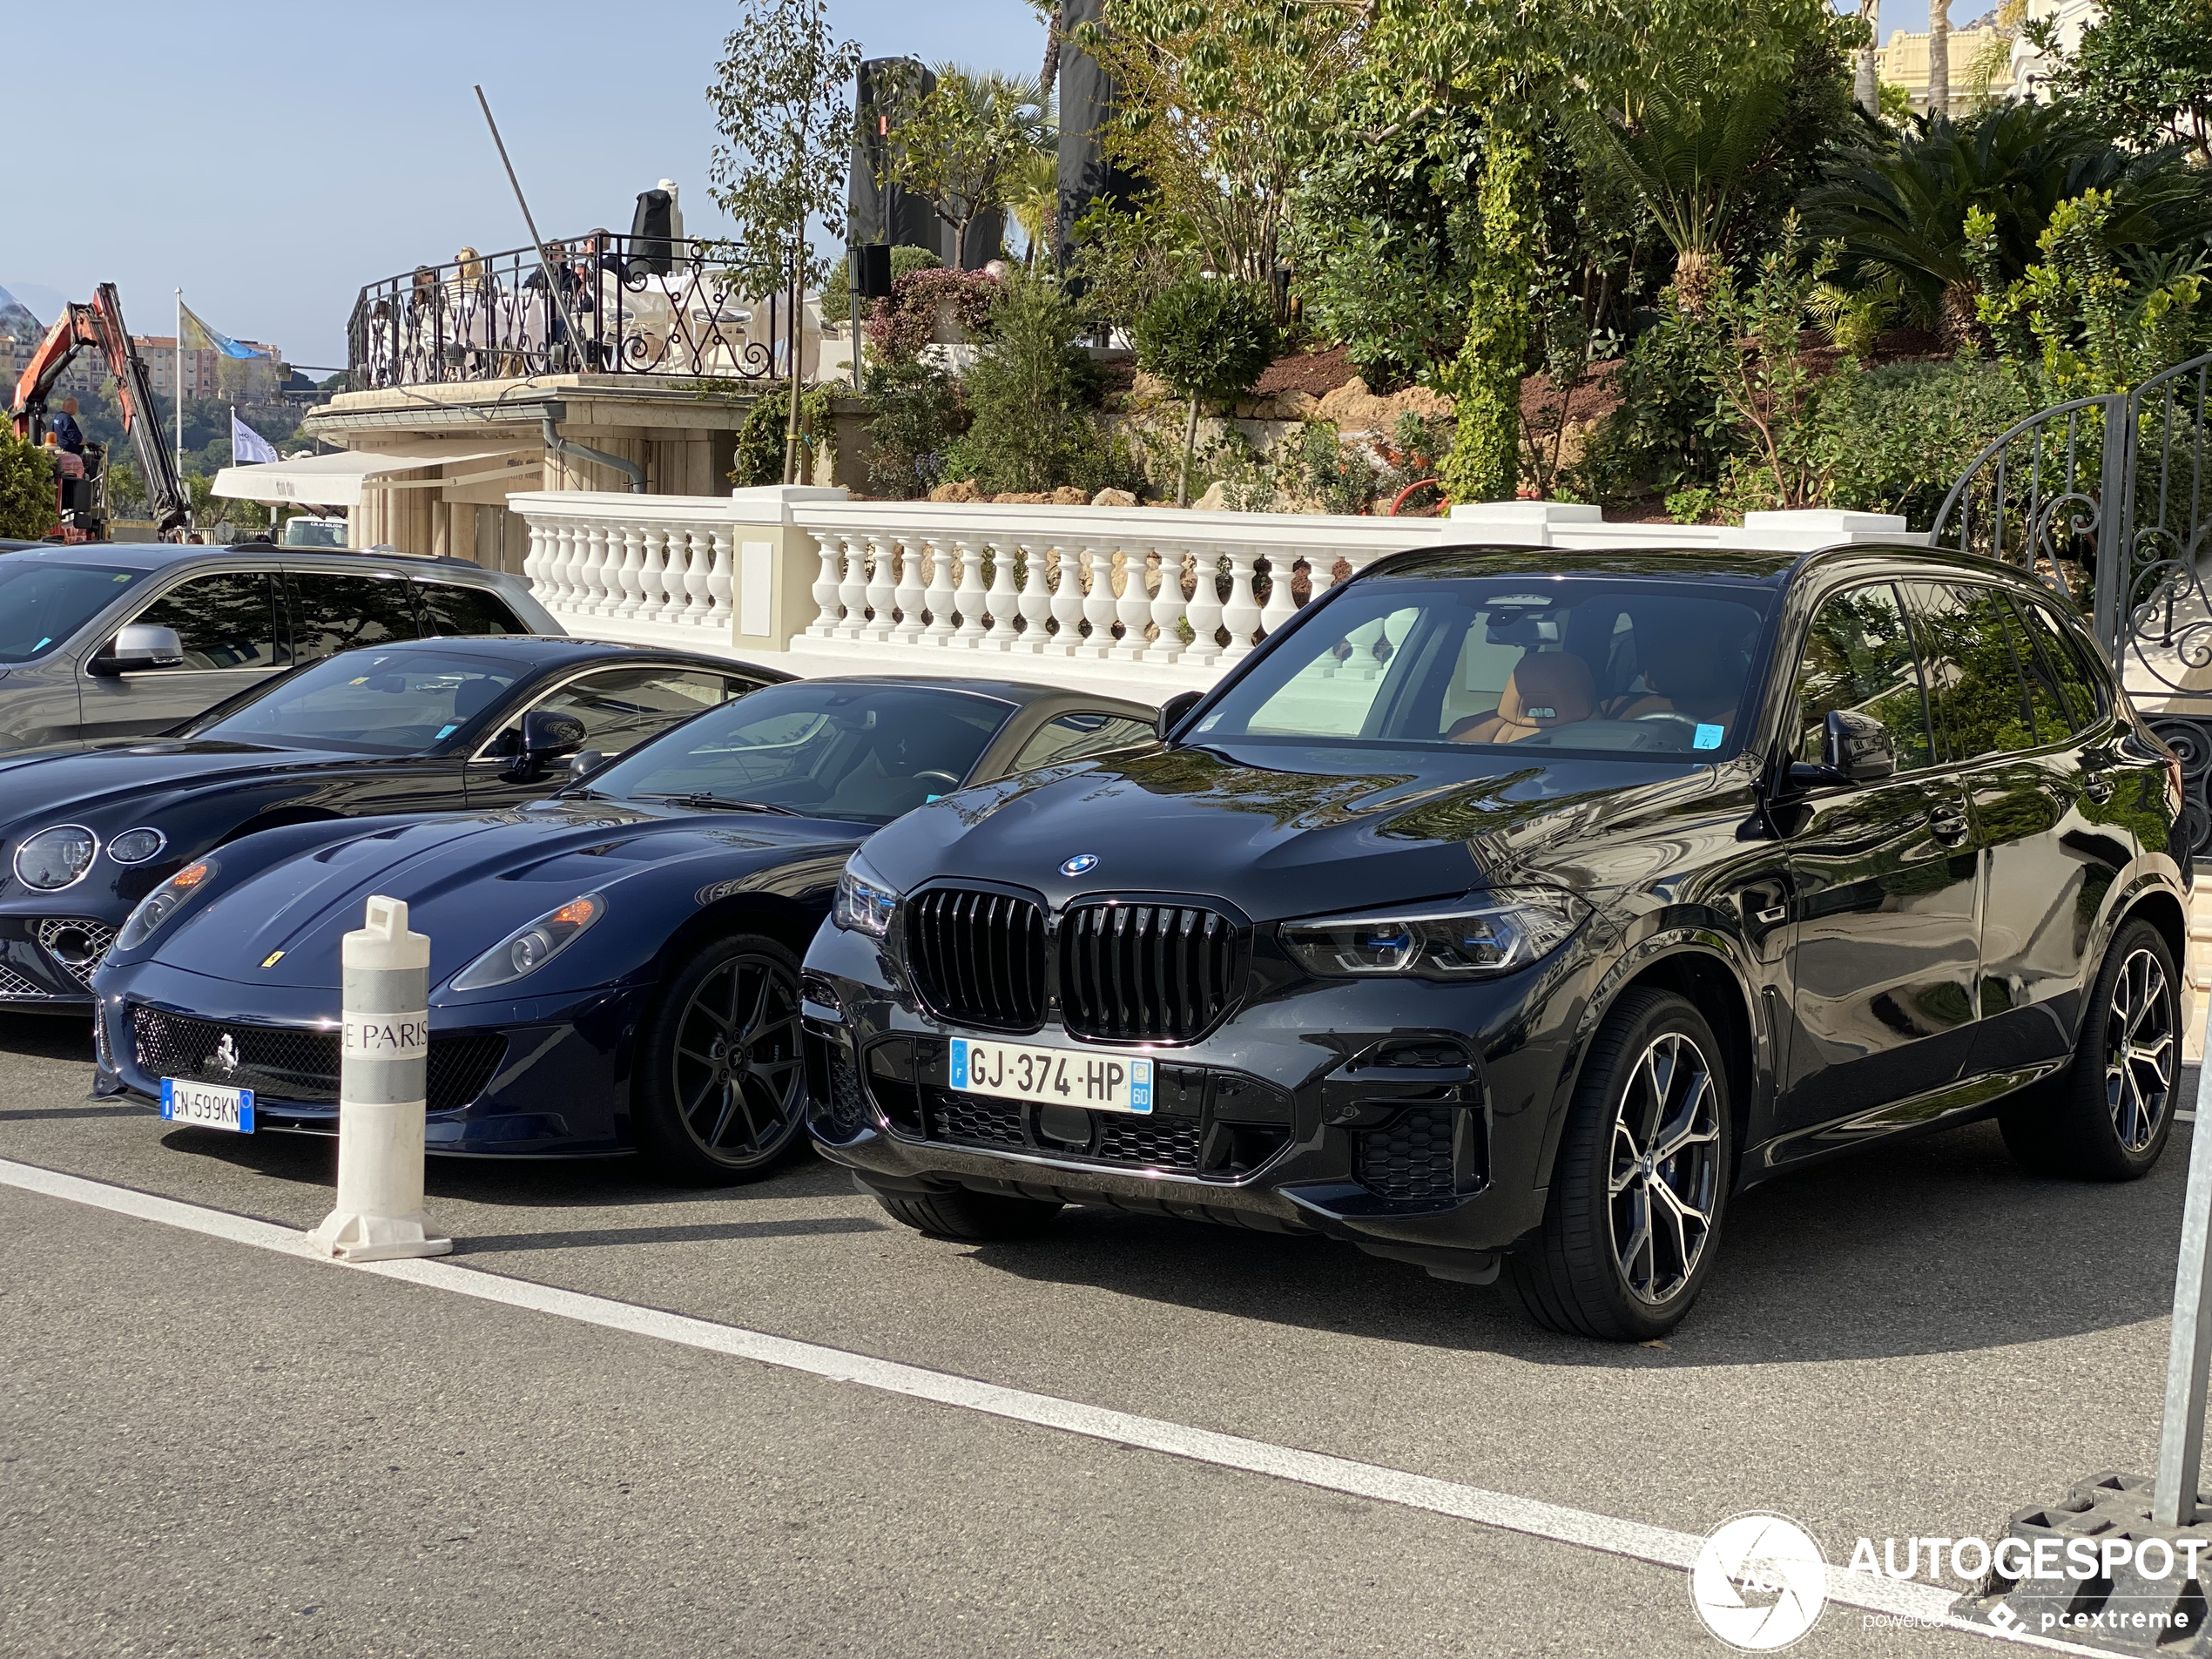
{"x":81,"y":504}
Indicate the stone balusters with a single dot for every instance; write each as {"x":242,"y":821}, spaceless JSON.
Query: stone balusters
{"x":937,"y":594}
{"x":720,"y":581}
{"x":824,"y":588}
{"x":882,"y":585}
{"x":1133,"y":609}
{"x":1067,"y":603}
{"x":1098,"y":602}
{"x":915,"y":557}
{"x":967,"y":597}
{"x":1167,"y":610}
{"x":853,"y":590}
{"x":1241,"y":615}
{"x":1003,"y":599}
{"x":1205,"y":609}
{"x":1035,"y":603}
{"x":1282,"y":605}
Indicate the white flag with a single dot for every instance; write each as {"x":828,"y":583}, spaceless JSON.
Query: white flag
{"x":248,"y":445}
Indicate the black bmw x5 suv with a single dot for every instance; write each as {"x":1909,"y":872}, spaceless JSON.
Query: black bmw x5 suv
{"x":1513,"y":910}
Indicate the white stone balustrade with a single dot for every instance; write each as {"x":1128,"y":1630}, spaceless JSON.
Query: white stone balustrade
{"x":1149,"y":601}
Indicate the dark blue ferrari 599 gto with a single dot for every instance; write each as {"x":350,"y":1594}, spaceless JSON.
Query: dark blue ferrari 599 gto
{"x":615,"y":968}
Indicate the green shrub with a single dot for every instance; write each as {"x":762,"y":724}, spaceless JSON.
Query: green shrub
{"x":1029,"y":394}
{"x":904,"y":322}
{"x":913,"y":415}
{"x":760,"y":458}
{"x":1900,"y":435}
{"x":1210,"y":340}
{"x":1664,"y":434}
{"x":26,"y":490}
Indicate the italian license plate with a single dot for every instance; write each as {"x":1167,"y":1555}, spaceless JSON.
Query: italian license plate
{"x":1053,"y":1076}
{"x":207,"y":1105}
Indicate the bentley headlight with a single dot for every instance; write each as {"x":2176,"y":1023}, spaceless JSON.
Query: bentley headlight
{"x":163,"y":902}
{"x":137,"y":845}
{"x":1477,"y":937}
{"x":55,"y":857}
{"x":866,"y":902}
{"x":530,"y":947}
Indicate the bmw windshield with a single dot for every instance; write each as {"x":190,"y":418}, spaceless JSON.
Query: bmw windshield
{"x":1599,"y":665}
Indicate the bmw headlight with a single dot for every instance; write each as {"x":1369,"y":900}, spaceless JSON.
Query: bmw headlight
{"x":163,"y":902}
{"x":1479,"y":936}
{"x":866,"y":902}
{"x":530,"y":947}
{"x":55,"y":857}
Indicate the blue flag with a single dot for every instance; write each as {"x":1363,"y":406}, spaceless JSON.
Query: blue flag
{"x":199,"y":337}
{"x":248,"y":445}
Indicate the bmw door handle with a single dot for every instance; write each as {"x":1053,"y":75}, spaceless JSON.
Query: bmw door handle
{"x":2098,"y":789}
{"x":1948,"y":824}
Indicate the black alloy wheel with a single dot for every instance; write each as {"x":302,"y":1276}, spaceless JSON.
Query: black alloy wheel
{"x":721,"y":1089}
{"x":2108,"y":1114}
{"x":1641,"y":1181}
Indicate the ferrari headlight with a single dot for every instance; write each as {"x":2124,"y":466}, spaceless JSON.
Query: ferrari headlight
{"x":55,"y":857}
{"x":530,"y":947}
{"x":866,"y":902}
{"x":163,"y":902}
{"x":1478,"y":937}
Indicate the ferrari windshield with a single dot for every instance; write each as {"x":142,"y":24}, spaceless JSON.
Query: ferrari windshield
{"x":1600,"y":664}
{"x":369,"y":702}
{"x":820,"y":747}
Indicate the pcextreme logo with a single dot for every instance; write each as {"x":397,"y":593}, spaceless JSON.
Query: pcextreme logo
{"x":1758,"y":1582}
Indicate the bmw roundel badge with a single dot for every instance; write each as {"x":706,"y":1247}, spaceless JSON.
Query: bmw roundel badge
{"x":1081,"y":864}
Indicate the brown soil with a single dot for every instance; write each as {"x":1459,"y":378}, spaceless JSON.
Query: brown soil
{"x":1313,"y":371}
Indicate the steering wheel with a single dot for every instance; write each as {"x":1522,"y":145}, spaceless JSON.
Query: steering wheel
{"x":1680,"y":719}
{"x":935,"y":778}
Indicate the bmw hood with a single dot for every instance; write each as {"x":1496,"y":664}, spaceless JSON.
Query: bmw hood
{"x":470,"y":881}
{"x":1298,"y":834}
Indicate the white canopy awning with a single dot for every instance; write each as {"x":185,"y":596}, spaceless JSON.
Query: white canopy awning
{"x":339,"y":480}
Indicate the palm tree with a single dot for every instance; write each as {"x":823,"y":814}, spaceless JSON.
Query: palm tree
{"x":1901,"y":209}
{"x":1686,"y":153}
{"x":1034,"y":200}
{"x":1938,"y":57}
{"x":1866,"y":84}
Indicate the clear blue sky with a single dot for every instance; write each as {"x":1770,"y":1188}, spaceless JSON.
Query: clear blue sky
{"x":270,"y":159}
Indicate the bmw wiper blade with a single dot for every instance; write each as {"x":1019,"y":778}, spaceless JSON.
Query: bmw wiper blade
{"x":706,"y":800}
{"x":584,"y":794}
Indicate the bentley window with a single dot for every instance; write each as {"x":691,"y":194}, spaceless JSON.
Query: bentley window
{"x":391,"y":703}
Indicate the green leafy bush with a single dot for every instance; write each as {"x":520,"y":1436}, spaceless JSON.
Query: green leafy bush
{"x":760,"y":458}
{"x":26,"y":490}
{"x":1899,"y":437}
{"x":913,"y":415}
{"x":1210,"y":340}
{"x":1029,"y":393}
{"x":904,"y":320}
{"x":1663,"y":433}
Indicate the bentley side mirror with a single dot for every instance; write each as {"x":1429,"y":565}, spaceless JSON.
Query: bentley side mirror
{"x":1855,"y":748}
{"x":139,"y":646}
{"x":583,"y":763}
{"x":549,"y":736}
{"x":1173,"y":710}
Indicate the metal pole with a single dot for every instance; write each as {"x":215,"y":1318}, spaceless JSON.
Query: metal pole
{"x":2180,"y":1439}
{"x":2112,"y":516}
{"x":552,"y":282}
{"x":181,"y":382}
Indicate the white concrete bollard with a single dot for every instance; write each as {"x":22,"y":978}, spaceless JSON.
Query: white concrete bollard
{"x":382,"y":1094}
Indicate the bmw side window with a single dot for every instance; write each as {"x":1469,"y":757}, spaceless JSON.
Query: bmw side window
{"x":2063,"y":661}
{"x":1073,"y":737}
{"x":222,"y":621}
{"x":623,"y":706}
{"x":334,"y":613}
{"x":1970,"y":642}
{"x":456,"y":612}
{"x":1859,"y":656}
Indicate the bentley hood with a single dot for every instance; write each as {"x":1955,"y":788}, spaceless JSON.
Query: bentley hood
{"x":1298,"y":832}
{"x":468,"y":881}
{"x":58,"y":780}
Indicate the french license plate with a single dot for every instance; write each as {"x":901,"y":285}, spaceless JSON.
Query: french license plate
{"x":207,"y":1105}
{"x":1053,"y":1076}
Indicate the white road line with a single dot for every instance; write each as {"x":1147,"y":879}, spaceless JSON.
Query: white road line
{"x":1659,"y":1546}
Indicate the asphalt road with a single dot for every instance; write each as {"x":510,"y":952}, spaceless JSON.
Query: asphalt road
{"x":211,"y":1448}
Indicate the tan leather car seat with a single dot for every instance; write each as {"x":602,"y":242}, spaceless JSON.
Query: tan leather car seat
{"x":1545,"y":690}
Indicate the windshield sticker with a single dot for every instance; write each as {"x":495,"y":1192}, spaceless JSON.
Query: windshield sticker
{"x":1708,"y":737}
{"x":447,"y":731}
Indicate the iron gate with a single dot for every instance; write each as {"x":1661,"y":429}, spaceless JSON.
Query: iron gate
{"x":2105,"y":498}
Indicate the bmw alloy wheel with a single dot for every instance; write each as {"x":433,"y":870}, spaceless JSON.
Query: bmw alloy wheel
{"x":740,"y":1082}
{"x":1664,"y":1176}
{"x":2139,"y":1051}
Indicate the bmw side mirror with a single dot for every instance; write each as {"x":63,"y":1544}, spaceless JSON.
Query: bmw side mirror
{"x":139,"y":646}
{"x":1855,"y":749}
{"x":1174,"y":709}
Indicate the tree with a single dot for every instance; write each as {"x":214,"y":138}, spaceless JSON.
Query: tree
{"x":1028,"y":394}
{"x":1210,"y":340}
{"x":2145,"y":67}
{"x":1866,"y":91}
{"x":1938,"y":57}
{"x":1223,"y":106}
{"x":780,"y":106}
{"x":963,"y":143}
{"x":26,"y":489}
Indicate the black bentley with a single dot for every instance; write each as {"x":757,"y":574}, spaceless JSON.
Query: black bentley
{"x":1512,"y":910}
{"x":89,"y":829}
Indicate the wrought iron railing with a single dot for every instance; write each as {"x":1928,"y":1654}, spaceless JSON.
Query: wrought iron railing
{"x":598,"y":304}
